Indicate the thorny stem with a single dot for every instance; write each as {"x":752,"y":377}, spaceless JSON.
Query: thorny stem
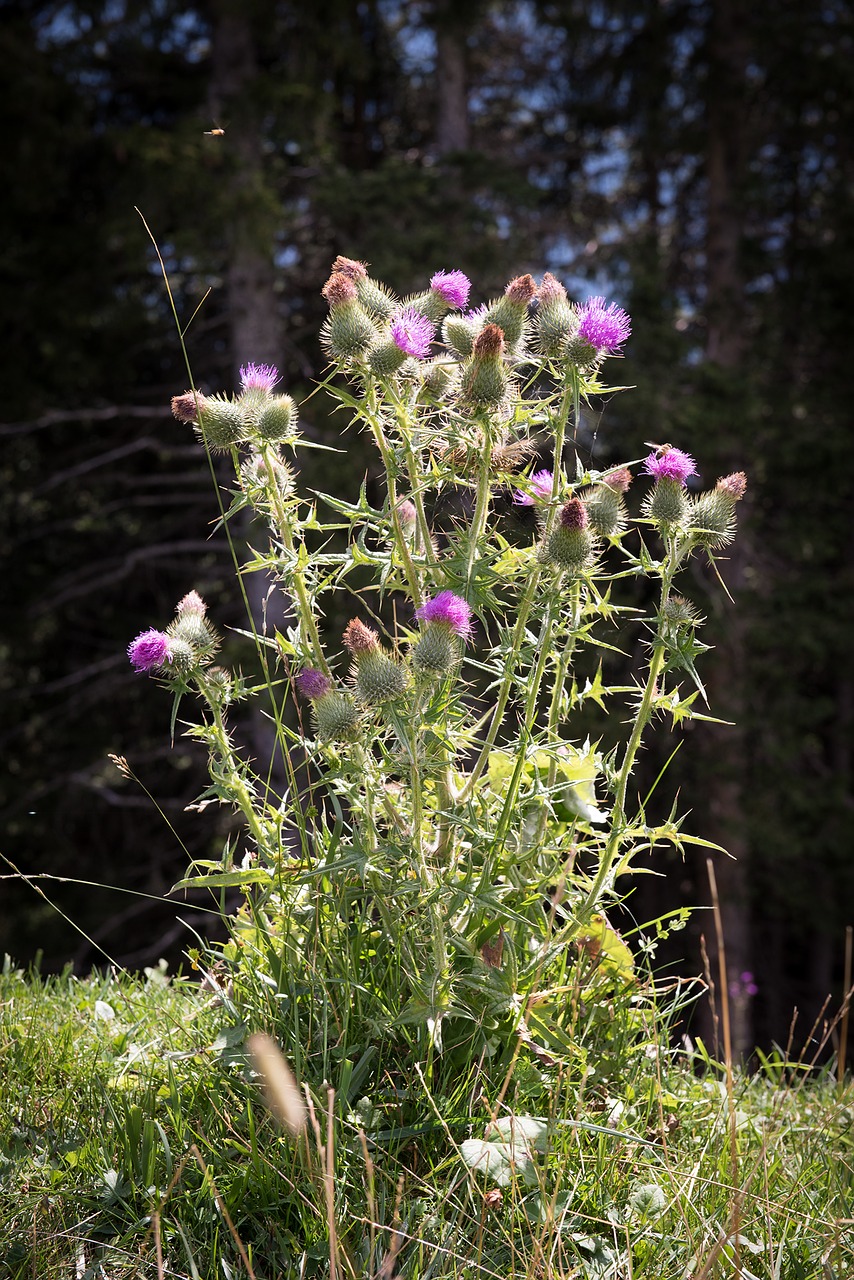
{"x":297,"y":581}
{"x":390,"y":466}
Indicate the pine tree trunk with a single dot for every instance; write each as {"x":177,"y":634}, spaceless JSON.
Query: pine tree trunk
{"x":724,"y":749}
{"x":452,"y":113}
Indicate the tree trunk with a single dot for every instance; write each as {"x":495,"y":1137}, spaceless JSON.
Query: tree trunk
{"x":452,"y":113}
{"x":724,"y":750}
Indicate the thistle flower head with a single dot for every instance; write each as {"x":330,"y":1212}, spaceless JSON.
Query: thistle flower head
{"x":521,"y":290}
{"x":411,"y":332}
{"x":541,"y":483}
{"x":449,"y":610}
{"x":339,"y":288}
{"x":192,"y":602}
{"x":360,"y":639}
{"x":734,"y":485}
{"x":551,"y":290}
{"x":489,"y":342}
{"x":150,"y":649}
{"x":618,"y":480}
{"x":605,"y":328}
{"x":477,"y":314}
{"x":350,"y":267}
{"x":312,"y":683}
{"x":258,"y":377}
{"x":453,"y":286}
{"x":668,"y":463}
{"x":573,"y":515}
{"x":406,"y":513}
{"x":186,"y":407}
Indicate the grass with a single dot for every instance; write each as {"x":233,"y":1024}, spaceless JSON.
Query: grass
{"x":135,"y":1142}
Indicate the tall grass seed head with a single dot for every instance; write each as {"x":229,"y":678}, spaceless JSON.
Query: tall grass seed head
{"x":150,"y":651}
{"x":571,"y":544}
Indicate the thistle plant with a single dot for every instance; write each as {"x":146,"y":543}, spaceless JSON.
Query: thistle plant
{"x":447,"y":842}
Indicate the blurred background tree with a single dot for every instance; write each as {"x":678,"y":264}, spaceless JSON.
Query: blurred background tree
{"x":693,"y":159}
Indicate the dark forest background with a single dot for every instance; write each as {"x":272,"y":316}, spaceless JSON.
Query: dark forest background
{"x":692,"y":159}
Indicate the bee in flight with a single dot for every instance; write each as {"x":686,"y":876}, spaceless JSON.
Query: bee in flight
{"x":214,"y":133}
{"x":660,"y":449}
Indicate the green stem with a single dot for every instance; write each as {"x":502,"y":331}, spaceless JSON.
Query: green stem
{"x":240,"y":792}
{"x":390,"y":465}
{"x":481,"y":506}
{"x":283,"y":528}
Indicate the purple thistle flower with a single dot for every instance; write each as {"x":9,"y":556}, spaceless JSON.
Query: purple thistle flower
{"x":411,"y":332}
{"x":477,"y":313}
{"x":670,"y":464}
{"x":312,"y":683}
{"x":149,"y":650}
{"x":605,"y":328}
{"x":258,"y":377}
{"x":454,"y":287}
{"x":448,"y":610}
{"x":541,"y":482}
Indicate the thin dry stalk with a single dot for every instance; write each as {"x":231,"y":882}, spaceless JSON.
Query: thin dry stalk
{"x":329,"y":1183}
{"x":735,"y":1215}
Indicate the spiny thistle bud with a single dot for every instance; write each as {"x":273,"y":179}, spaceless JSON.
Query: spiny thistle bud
{"x":713,"y":513}
{"x":556,"y":320}
{"x":348,"y":331}
{"x":192,"y":602}
{"x":667,"y":504}
{"x":335,"y":715}
{"x":570,"y":545}
{"x":460,"y":331}
{"x":218,"y":685}
{"x":678,"y":612}
{"x":378,"y":677}
{"x":438,"y":377}
{"x":447,"y":619}
{"x":606,"y":508}
{"x":277,"y":419}
{"x":257,"y":476}
{"x":510,"y":312}
{"x":407,"y":516}
{"x":223,"y":424}
{"x":484,"y":377}
{"x":184,"y":657}
{"x":150,"y":650}
{"x":191,"y":627}
{"x":186,"y":407}
{"x":372,"y":295}
{"x":540,"y":486}
{"x":619,"y":480}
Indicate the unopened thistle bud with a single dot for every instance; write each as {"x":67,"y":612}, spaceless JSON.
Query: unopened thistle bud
{"x":713,"y":513}
{"x":677,"y":612}
{"x":372,"y":295}
{"x":191,"y":627}
{"x":484,"y":377}
{"x":348,"y":330}
{"x":218,"y":684}
{"x":407,"y":516}
{"x":223,"y":424}
{"x":447,"y":621}
{"x":192,"y":602}
{"x":378,"y":677}
{"x":556,"y":320}
{"x":510,"y":312}
{"x":460,"y":331}
{"x":437,"y":378}
{"x":605,"y":505}
{"x":668,"y":503}
{"x":570,"y":545}
{"x":335,"y":715}
{"x":277,"y":419}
